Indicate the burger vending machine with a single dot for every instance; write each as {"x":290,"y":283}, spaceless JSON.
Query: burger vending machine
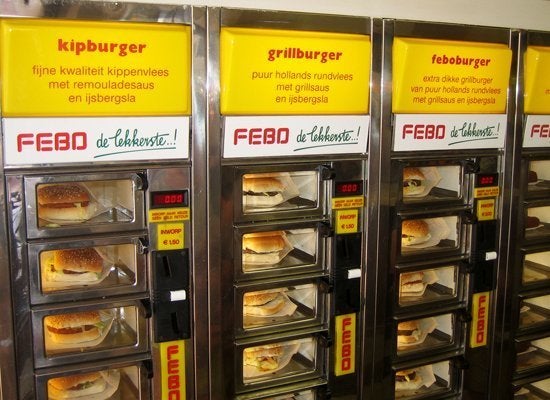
{"x":290,"y":133}
{"x":526,"y":363}
{"x":97,"y":167}
{"x":444,"y":128}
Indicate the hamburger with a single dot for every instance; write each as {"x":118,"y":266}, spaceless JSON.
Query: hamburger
{"x":532,"y":223}
{"x":75,"y":386}
{"x":64,"y":202}
{"x":532,"y":177}
{"x":408,"y":333}
{"x":75,"y":328}
{"x":414,"y":181}
{"x":414,"y":232}
{"x":77,"y":266}
{"x":263,"y":303}
{"x":411,"y":283}
{"x":263,"y":248}
{"x":407,"y":379}
{"x":262,"y":191}
{"x":263,"y":358}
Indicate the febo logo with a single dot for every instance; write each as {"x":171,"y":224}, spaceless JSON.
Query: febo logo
{"x":49,"y":141}
{"x":422,"y":131}
{"x":174,"y":366}
{"x":259,"y":136}
{"x":540,"y":130}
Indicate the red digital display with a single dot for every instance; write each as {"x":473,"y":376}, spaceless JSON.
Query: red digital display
{"x":348,"y":188}
{"x":486,"y":180}
{"x":169,"y":199}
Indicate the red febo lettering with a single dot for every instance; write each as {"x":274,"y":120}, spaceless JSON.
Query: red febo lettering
{"x":421,"y":131}
{"x":540,"y":130}
{"x":259,"y":136}
{"x":48,"y":141}
{"x":346,"y":363}
{"x":481,"y":319}
{"x":173,"y":364}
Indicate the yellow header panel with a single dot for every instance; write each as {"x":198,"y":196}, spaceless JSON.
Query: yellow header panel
{"x":81,"y":68}
{"x":266,"y":72}
{"x":537,"y":80}
{"x":452,"y":77}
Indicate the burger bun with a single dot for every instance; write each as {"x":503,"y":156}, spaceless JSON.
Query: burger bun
{"x":414,"y":232}
{"x":414,"y":181}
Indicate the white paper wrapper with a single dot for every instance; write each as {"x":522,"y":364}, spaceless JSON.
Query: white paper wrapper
{"x":432,"y":179}
{"x":427,"y":379}
{"x":290,"y":348}
{"x":426,"y":326}
{"x":46,"y":258}
{"x":107,"y":317}
{"x":111,"y":377}
{"x":439,"y":230}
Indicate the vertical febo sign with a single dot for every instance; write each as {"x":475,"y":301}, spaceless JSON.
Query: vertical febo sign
{"x":537,"y":97}
{"x":322,"y":77}
{"x":96,"y":91}
{"x":449,"y":95}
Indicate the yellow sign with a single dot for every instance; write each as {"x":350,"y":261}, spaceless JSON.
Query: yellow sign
{"x":169,"y":214}
{"x":490,"y":191}
{"x":172,"y":362}
{"x":267,"y":71}
{"x":84,"y":68}
{"x":480,"y":319}
{"x":348,"y":202}
{"x":537,"y":80}
{"x":486,"y":209}
{"x":170,"y":236}
{"x":344,"y":358}
{"x":439,"y":76}
{"x":347,"y":221}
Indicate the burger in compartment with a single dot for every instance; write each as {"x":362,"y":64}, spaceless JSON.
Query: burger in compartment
{"x":264,"y":249}
{"x":411,"y":284}
{"x":266,"y":359}
{"x":414,"y":232}
{"x":268,"y":190}
{"x":76,"y":330}
{"x":414,"y":332}
{"x":532,"y":223}
{"x":408,"y":379}
{"x":532,"y":177}
{"x":270,"y":303}
{"x":68,"y":267}
{"x":414,"y":182}
{"x":97,"y":385}
{"x":65,"y":203}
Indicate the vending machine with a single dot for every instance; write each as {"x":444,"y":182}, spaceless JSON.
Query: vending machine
{"x":289,"y":123}
{"x":101,"y":155}
{"x":444,"y":130}
{"x":526,"y":362}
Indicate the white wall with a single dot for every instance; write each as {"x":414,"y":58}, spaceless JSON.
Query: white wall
{"x":525,"y":14}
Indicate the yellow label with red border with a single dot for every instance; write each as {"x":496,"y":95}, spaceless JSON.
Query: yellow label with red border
{"x":339,"y":203}
{"x":170,"y":236}
{"x":486,"y":209}
{"x":480,"y":319}
{"x":172,"y":361}
{"x":268,"y":71}
{"x":169,"y":214}
{"x":441,"y":76}
{"x":347,"y":221}
{"x":85,"y":68}
{"x":344,"y":357}
{"x":537,"y":80}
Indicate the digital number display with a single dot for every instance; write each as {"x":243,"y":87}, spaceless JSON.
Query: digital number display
{"x":348,"y":188}
{"x":486,"y":180}
{"x":169,"y":199}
